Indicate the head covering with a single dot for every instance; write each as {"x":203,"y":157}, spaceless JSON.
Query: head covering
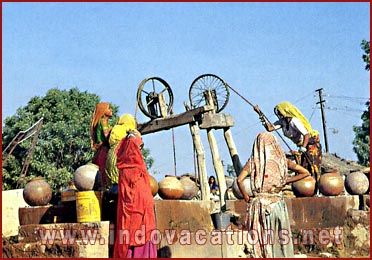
{"x":288,"y":110}
{"x":267,"y":164}
{"x":99,"y":112}
{"x":129,"y":152}
{"x":119,"y":131}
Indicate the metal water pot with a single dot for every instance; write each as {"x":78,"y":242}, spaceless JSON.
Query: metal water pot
{"x":190,"y":187}
{"x":247,"y":186}
{"x":37,"y":192}
{"x":88,"y":177}
{"x":331,"y":183}
{"x":304,"y":187}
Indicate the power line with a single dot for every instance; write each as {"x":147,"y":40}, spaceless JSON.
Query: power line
{"x":346,"y":97}
{"x":345,"y":109}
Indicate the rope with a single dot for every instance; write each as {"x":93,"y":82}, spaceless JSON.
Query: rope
{"x":174,"y":153}
{"x":262,"y":114}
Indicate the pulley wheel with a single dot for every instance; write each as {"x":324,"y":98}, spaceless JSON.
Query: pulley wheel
{"x":218,"y":87}
{"x":148,"y":96}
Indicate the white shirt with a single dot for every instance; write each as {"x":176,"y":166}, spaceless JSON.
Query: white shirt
{"x":295,"y":130}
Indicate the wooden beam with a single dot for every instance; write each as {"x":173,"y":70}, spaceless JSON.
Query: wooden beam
{"x":160,"y":124}
{"x":216,"y":121}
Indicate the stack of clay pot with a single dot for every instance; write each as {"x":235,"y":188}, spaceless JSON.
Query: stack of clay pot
{"x":88,"y":181}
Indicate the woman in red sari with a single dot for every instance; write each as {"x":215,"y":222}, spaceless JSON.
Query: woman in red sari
{"x":135,"y":214}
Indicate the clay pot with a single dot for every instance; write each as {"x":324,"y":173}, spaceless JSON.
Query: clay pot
{"x":236,"y":190}
{"x":37,"y":192}
{"x":304,"y":187}
{"x":88,"y":177}
{"x":154,"y":185}
{"x":331,"y":183}
{"x":170,"y":188}
{"x":190,"y":187}
{"x":356,"y":183}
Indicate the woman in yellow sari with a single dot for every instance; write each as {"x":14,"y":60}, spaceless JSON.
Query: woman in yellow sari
{"x":296,"y":127}
{"x":125,"y":123}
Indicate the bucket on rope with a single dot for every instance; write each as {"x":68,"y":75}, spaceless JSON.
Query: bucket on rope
{"x":88,"y":206}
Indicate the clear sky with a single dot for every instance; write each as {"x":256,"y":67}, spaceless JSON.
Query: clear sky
{"x":268,"y":52}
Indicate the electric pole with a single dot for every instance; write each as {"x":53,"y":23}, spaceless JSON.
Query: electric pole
{"x":321,"y":102}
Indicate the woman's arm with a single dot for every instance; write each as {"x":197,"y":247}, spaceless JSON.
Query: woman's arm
{"x":306,"y":140}
{"x":243,"y":174}
{"x":300,"y":171}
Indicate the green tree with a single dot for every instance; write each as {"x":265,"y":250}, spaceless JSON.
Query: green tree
{"x":365,"y":47}
{"x":362,"y":134}
{"x":361,"y":141}
{"x":63,"y":144}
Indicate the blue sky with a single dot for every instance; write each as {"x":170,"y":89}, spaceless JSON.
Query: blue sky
{"x":268,"y":52}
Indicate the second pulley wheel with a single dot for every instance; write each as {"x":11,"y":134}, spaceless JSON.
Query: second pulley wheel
{"x":219,"y":90}
{"x":149,"y":97}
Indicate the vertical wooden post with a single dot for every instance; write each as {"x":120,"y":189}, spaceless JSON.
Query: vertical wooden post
{"x":200,"y":158}
{"x":233,"y":151}
{"x":217,"y":163}
{"x":218,"y":167}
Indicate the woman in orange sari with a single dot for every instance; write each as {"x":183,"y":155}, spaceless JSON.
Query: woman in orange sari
{"x":135,"y":214}
{"x":99,"y":132}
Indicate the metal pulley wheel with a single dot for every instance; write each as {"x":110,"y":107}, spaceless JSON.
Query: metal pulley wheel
{"x":150,"y":94}
{"x":219,"y":90}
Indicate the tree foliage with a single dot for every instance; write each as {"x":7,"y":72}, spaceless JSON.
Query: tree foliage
{"x":362,"y":138}
{"x":63,"y":144}
{"x":362,"y":133}
{"x":365,"y":47}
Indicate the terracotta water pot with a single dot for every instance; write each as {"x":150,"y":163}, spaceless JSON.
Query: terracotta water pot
{"x":356,"y":183}
{"x":37,"y":192}
{"x":170,"y":188}
{"x":331,"y":183}
{"x":154,"y":185}
{"x":304,"y":187}
{"x":88,"y":177}
{"x":190,"y":187}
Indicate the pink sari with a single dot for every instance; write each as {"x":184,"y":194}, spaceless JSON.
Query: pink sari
{"x":267,"y":215}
